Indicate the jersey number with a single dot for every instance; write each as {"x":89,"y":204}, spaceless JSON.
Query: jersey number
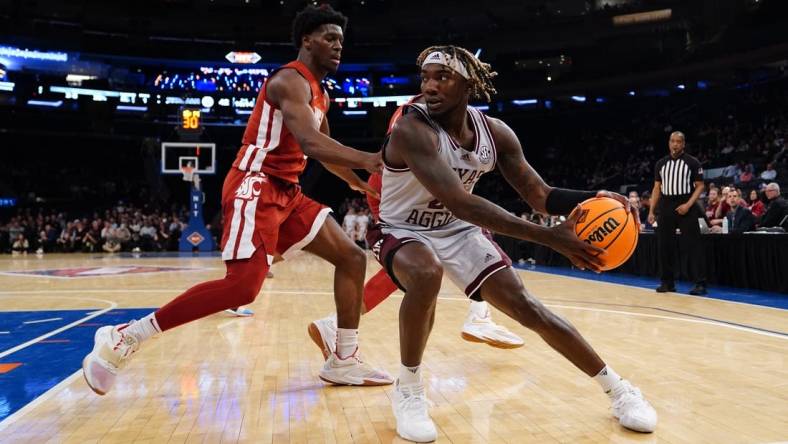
{"x":435,"y":205}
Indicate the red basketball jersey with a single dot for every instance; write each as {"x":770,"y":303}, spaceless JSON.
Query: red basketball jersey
{"x":376,"y":179}
{"x":268,"y":145}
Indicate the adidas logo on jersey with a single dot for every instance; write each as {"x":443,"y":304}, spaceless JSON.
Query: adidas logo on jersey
{"x":488,"y":258}
{"x":466,"y":157}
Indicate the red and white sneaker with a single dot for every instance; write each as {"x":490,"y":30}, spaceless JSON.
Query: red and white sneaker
{"x":112,"y":350}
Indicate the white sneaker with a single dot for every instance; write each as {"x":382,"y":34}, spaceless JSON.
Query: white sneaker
{"x":631,"y":408}
{"x":410,"y":406}
{"x":240,"y":312}
{"x":324,"y":334}
{"x":479,"y":327}
{"x":112,"y":349}
{"x":352,"y":371}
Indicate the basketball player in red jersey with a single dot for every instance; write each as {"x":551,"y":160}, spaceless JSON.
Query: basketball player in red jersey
{"x":478,"y":327}
{"x":265,"y":212}
{"x":430,"y":227}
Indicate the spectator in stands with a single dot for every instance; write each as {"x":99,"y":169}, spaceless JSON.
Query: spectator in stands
{"x":111,"y":242}
{"x":746,"y":175}
{"x":634,"y":200}
{"x":769,"y":174}
{"x":777,"y":210}
{"x":20,"y":245}
{"x":123,"y":235}
{"x":712,"y":202}
{"x":756,"y":206}
{"x":740,"y":219}
{"x":148,"y":236}
{"x":91,"y":240}
{"x":645,"y":206}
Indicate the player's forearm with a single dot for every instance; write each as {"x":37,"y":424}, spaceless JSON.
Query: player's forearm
{"x":485,"y":214}
{"x":325,"y":149}
{"x":344,"y":173}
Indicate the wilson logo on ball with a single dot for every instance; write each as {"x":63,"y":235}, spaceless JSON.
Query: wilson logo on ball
{"x":603,"y":231}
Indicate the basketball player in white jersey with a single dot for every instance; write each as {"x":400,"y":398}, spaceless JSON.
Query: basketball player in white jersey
{"x":430,"y":227}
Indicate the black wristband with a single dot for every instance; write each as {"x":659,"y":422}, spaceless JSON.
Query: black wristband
{"x":561,"y":201}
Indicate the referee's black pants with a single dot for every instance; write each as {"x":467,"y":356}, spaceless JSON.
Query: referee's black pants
{"x":667,"y":222}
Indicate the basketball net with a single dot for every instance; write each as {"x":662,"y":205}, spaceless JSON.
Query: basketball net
{"x":188,"y":173}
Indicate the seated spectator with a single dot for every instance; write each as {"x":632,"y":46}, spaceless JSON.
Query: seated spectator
{"x":739,"y":219}
{"x":645,"y":205}
{"x":777,"y":209}
{"x":123,"y":235}
{"x":634,"y":200}
{"x":769,"y":174}
{"x":91,"y":240}
{"x":20,"y":245}
{"x":756,"y":206}
{"x":712,"y":202}
{"x":111,"y":243}
{"x":148,"y":236}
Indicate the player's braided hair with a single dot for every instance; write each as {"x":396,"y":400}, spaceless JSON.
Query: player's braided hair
{"x":480,"y":74}
{"x":312,"y":17}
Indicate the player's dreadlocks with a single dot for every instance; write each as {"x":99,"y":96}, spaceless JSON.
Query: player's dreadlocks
{"x":312,"y":17}
{"x":480,"y":74}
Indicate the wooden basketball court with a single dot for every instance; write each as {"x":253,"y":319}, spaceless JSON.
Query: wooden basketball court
{"x":715,"y":371}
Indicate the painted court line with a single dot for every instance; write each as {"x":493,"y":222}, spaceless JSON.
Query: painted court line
{"x":35,"y":403}
{"x":43,"y":320}
{"x":112,"y":305}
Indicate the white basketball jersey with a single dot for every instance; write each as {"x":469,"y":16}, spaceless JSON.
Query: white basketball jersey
{"x":405,"y":203}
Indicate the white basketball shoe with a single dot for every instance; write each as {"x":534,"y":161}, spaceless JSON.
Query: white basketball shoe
{"x":112,"y":349}
{"x":479,"y":327}
{"x":352,"y":371}
{"x":324,"y":334}
{"x":410,"y":405}
{"x":631,"y":408}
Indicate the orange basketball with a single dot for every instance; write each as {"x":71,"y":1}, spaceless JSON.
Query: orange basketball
{"x":606,"y":223}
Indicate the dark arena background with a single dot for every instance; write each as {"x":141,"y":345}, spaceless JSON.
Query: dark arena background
{"x":107,"y":108}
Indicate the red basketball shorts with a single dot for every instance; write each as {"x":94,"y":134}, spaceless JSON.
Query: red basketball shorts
{"x":264,"y":211}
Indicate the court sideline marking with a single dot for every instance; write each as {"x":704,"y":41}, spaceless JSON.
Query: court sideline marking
{"x":112,"y":305}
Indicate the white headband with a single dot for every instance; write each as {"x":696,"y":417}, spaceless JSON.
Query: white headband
{"x":444,"y":59}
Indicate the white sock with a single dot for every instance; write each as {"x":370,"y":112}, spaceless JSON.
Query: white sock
{"x":347,"y":342}
{"x":479,"y":309}
{"x":608,"y":379}
{"x":409,"y":375}
{"x":144,"y":328}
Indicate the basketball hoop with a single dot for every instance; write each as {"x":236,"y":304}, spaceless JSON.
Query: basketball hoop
{"x":188,"y":172}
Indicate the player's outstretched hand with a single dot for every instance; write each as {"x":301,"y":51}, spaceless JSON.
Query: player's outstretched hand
{"x":374,"y":163}
{"x":363,"y":187}
{"x":564,"y":240}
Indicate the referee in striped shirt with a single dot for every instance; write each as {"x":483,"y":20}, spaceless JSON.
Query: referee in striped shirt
{"x":678,"y":182}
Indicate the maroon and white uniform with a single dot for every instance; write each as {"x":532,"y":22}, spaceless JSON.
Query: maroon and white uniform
{"x":410,"y":213}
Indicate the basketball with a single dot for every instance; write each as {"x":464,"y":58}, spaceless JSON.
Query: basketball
{"x":606,"y":223}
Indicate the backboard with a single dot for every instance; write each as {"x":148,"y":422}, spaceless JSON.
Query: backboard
{"x":176,"y":155}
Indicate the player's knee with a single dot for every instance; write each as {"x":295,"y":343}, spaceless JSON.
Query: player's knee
{"x":354,"y":258}
{"x":425,"y":276}
{"x":244,"y":290}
